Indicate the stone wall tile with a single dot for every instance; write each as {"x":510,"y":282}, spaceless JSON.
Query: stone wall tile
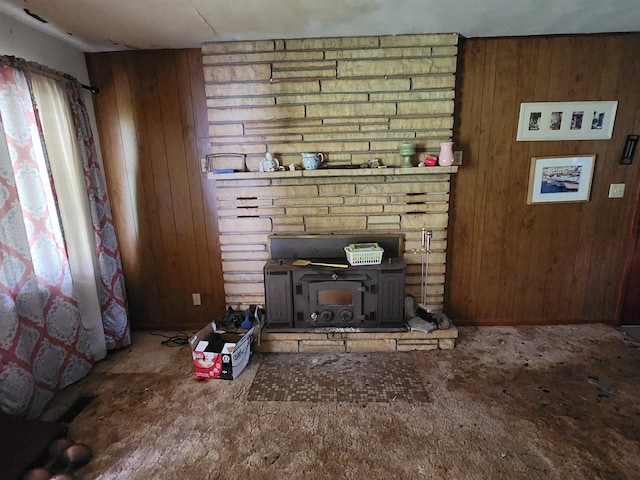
{"x":368,"y":85}
{"x":242,"y":266}
{"x":288,"y":229}
{"x":389,"y":52}
{"x":316,"y":73}
{"x":276,"y":56}
{"x":225,"y":129}
{"x":255,"y":113}
{"x":408,"y":347}
{"x":253,"y":72}
{"x":244,"y":46}
{"x":310,"y":211}
{"x":379,"y":345}
{"x":345,"y":223}
{"x":260,"y":88}
{"x":322,"y":98}
{"x":240,"y":102}
{"x":414,"y":96}
{"x":330,"y":146}
{"x":244,"y":239}
{"x":336,"y":190}
{"x":433,"y":81}
{"x":404,"y":66}
{"x":331,"y":43}
{"x":350,"y":109}
{"x":373,"y":219}
{"x":416,"y":40}
{"x":308,"y":201}
{"x":433,"y":220}
{"x":250,"y":138}
{"x":252,"y":224}
{"x":288,"y":220}
{"x":355,"y":209}
{"x":243,"y":277}
{"x":263,"y":255}
{"x":436,"y":107}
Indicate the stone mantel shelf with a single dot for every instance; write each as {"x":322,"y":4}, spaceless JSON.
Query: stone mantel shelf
{"x":333,"y":172}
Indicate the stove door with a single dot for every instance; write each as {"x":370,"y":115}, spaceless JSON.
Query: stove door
{"x":336,"y":303}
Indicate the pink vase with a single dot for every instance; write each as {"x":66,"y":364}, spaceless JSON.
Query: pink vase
{"x":445,"y":159}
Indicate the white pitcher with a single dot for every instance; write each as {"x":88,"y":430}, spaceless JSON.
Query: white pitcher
{"x":311,"y":161}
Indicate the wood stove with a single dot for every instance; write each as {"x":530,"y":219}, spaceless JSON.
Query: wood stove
{"x":315,"y":296}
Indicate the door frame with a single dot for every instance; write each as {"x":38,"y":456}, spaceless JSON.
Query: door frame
{"x":631,"y":267}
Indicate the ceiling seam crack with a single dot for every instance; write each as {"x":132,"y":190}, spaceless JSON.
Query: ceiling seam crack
{"x":213,"y":30}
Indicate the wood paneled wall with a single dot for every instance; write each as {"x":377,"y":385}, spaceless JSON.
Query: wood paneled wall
{"x":513,"y":263}
{"x":508,"y":262}
{"x":152,"y":123}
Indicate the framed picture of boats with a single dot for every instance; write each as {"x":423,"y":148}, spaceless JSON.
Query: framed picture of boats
{"x":566,"y":120}
{"x":560,"y":179}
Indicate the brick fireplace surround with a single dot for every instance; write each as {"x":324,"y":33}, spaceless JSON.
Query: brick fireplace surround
{"x":353,"y":99}
{"x":252,"y":206}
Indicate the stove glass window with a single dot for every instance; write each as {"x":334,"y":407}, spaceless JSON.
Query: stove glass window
{"x":341,"y":296}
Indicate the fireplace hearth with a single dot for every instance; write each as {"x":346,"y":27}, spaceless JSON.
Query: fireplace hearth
{"x":319,"y":296}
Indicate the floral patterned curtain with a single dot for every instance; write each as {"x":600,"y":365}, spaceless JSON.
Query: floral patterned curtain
{"x":112,"y":292}
{"x":43,"y":343}
{"x":43,"y":346}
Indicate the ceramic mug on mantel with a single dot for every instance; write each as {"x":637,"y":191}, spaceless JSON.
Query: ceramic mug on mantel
{"x":311,"y":161}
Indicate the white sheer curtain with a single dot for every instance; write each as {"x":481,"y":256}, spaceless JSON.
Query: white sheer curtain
{"x":66,"y":169}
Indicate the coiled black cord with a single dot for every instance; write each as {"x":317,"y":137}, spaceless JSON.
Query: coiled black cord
{"x":177,"y":340}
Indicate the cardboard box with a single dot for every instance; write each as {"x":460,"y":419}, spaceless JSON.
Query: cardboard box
{"x":218,"y":354}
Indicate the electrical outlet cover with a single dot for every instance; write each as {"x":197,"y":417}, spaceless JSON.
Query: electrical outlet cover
{"x":616,"y":190}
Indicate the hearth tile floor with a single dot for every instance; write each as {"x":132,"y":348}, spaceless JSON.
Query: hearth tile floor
{"x":338,"y":377}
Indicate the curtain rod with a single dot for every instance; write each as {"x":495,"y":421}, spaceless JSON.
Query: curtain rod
{"x":91,"y":88}
{"x":34,"y":67}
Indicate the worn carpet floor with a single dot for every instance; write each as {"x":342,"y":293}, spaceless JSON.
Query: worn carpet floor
{"x":529,"y":403}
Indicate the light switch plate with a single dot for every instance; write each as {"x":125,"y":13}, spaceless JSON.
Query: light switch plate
{"x":616,"y":190}
{"x":195,"y":297}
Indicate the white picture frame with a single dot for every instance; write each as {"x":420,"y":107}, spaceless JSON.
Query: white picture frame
{"x":548,"y":121}
{"x":560,"y":179}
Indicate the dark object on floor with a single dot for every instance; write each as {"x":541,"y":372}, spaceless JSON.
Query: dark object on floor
{"x":338,"y":377}
{"x":419,"y":325}
{"x":56,"y":449}
{"x":232,"y":319}
{"x":76,"y":456}
{"x":76,"y":408}
{"x":23,"y":443}
{"x":37,"y":474}
{"x":64,"y":458}
{"x":423,"y":313}
{"x":438,"y":318}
